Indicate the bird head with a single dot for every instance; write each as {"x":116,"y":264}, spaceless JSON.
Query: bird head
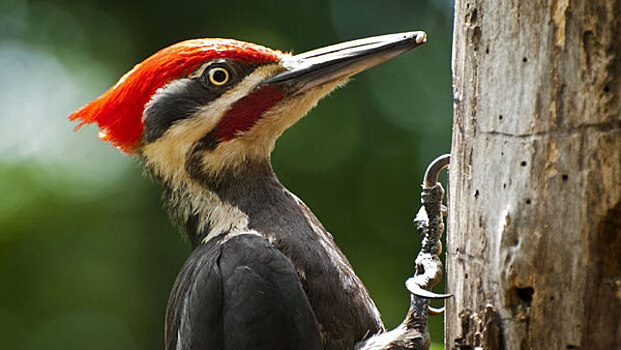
{"x":201,"y":106}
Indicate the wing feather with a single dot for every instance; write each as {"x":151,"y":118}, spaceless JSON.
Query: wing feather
{"x":242,"y":293}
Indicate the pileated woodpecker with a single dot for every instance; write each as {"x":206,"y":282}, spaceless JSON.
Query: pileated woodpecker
{"x":203,"y":116}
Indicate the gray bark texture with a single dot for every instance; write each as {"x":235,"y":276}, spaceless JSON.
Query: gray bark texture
{"x":534,"y":221}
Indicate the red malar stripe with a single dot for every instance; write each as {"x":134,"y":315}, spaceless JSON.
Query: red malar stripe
{"x":245,"y":112}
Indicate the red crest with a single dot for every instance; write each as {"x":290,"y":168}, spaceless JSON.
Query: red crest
{"x":118,"y":111}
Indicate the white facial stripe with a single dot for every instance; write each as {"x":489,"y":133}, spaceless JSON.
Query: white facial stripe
{"x":280,"y":117}
{"x":198,"y":72}
{"x":258,"y":141}
{"x":166,"y":155}
{"x":223,"y":103}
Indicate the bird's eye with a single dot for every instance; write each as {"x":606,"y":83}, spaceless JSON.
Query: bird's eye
{"x":218,"y":76}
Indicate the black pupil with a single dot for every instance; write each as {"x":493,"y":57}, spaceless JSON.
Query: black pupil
{"x":219,"y":76}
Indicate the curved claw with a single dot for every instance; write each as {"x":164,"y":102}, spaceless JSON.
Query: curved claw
{"x":423,"y":293}
{"x":435,"y":311}
{"x":434,"y":169}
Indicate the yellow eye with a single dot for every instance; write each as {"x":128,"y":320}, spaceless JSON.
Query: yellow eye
{"x":218,"y":76}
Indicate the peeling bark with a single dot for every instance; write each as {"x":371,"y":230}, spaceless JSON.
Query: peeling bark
{"x":534,"y":226}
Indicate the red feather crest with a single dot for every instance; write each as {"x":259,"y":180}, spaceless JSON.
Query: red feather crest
{"x":118,"y":111}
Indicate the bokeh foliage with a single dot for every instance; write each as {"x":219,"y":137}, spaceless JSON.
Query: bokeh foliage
{"x":87,"y":255}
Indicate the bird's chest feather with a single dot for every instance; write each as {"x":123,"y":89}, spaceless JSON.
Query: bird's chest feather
{"x":341,"y":304}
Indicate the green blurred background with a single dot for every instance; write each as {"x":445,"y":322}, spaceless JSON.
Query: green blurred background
{"x":87,"y":255}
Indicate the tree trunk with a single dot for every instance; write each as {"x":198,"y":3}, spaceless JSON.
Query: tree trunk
{"x":534,"y":227}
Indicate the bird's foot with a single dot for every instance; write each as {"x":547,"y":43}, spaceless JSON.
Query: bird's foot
{"x":429,"y":223}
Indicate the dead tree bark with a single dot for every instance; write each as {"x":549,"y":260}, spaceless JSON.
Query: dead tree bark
{"x":534,"y":226}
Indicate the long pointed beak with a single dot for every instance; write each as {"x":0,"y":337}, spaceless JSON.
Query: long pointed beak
{"x":343,"y":60}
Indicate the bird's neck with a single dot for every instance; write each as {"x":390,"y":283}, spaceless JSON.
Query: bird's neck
{"x":208,"y":206}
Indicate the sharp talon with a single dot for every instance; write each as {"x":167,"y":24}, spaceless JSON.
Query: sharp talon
{"x":423,"y":293}
{"x":434,"y":169}
{"x":432,"y":295}
{"x":435,"y":311}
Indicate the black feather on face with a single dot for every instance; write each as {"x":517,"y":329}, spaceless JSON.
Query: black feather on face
{"x":183,"y":97}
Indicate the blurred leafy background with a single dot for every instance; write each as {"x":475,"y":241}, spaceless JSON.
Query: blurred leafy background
{"x":87,"y":255}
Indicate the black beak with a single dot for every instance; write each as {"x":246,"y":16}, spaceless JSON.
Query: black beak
{"x":343,"y":60}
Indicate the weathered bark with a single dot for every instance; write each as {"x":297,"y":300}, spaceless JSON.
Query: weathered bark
{"x":534,"y":226}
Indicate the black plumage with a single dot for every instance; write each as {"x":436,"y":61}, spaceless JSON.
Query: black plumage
{"x":240,"y":293}
{"x":307,"y":257}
